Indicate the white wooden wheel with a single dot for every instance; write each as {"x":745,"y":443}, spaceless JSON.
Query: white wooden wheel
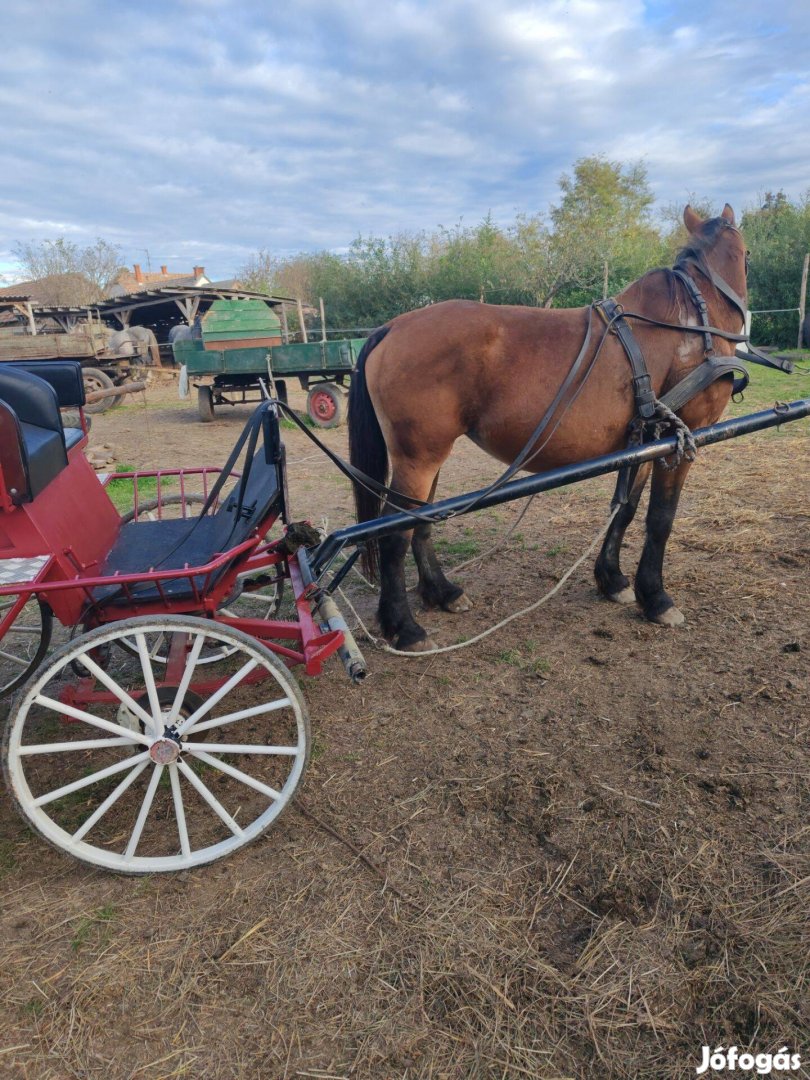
{"x":157,"y":777}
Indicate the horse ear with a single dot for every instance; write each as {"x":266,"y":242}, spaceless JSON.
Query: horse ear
{"x":691,"y":220}
{"x":728,"y":214}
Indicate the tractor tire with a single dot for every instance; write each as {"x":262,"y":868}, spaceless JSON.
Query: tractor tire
{"x":205,"y":403}
{"x":326,"y":405}
{"x":96,"y":379}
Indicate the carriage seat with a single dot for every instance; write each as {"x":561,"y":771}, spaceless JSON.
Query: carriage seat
{"x":65,"y":376}
{"x":33,"y":449}
{"x":171,"y":544}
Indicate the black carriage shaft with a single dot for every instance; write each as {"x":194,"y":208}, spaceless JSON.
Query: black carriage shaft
{"x":323,"y":555}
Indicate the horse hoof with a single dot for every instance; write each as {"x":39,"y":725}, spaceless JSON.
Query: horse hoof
{"x":626,"y":596}
{"x":459,"y":605}
{"x":670,"y":617}
{"x":425,"y":645}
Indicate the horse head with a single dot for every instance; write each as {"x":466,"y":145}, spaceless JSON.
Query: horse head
{"x":716,"y":248}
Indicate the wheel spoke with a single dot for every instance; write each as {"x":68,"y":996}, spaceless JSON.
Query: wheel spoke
{"x":21,"y":660}
{"x":159,"y":639}
{"x":179,"y":812}
{"x":237,"y":774}
{"x":94,"y":778}
{"x":216,"y":697}
{"x":114,"y":688}
{"x":209,"y":797}
{"x":242,"y":714}
{"x":83,"y":744}
{"x":239,"y":748}
{"x":149,"y":680}
{"x":111,"y":799}
{"x":95,"y":721}
{"x":146,"y":806}
{"x":188,"y":671}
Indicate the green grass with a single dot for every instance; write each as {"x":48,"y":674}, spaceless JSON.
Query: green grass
{"x":96,"y":924}
{"x":122,"y":492}
{"x":7,"y":859}
{"x":290,"y":425}
{"x":465,"y":547}
{"x":768,"y":385}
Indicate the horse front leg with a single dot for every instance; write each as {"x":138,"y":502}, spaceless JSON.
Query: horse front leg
{"x":610,"y":580}
{"x":434,"y":588}
{"x":657,"y":605}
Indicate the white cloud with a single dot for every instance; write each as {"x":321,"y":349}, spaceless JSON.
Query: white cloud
{"x":209,"y":129}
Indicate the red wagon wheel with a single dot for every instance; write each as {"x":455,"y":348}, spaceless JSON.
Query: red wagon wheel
{"x":326,"y":405}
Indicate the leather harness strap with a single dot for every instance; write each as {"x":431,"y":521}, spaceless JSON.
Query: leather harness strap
{"x":613,"y":314}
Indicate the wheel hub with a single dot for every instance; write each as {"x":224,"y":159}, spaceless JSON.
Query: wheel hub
{"x":164,"y":751}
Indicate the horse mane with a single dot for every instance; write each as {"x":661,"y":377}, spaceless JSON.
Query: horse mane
{"x":696,"y":245}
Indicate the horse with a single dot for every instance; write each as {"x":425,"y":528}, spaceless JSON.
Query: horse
{"x":488,"y":372}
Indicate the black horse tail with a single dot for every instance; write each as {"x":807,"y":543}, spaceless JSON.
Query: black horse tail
{"x":367,"y":449}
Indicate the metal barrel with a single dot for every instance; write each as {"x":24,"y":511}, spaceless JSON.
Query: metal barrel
{"x":353,"y":660}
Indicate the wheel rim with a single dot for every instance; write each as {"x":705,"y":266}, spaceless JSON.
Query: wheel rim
{"x":23,"y":644}
{"x":190,"y":782}
{"x":323,"y":405}
{"x":258,"y":604}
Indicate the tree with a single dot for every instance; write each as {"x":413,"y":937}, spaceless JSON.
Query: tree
{"x":82,"y":275}
{"x":602,"y":228}
{"x":778,"y":235}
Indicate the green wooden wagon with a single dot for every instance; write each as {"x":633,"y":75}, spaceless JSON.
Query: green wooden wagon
{"x":240,"y":346}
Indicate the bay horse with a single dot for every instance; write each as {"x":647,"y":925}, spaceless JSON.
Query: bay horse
{"x":490,"y":372}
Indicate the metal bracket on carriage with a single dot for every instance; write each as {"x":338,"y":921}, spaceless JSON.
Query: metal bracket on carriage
{"x":297,"y":535}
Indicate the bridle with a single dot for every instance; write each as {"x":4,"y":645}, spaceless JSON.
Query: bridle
{"x":700,"y":263}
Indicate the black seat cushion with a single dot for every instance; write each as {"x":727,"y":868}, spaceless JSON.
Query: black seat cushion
{"x":73,"y":435}
{"x":169,"y":544}
{"x":45,"y":451}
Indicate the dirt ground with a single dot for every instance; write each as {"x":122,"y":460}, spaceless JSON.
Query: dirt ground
{"x":585,"y":841}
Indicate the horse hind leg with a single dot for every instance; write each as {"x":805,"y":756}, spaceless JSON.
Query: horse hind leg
{"x":655,"y":602}
{"x":610,"y":580}
{"x":434,"y":588}
{"x":394,"y":612}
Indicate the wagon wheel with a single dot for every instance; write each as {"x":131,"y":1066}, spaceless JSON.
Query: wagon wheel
{"x":144,"y":777}
{"x":205,"y":403}
{"x":326,"y":405}
{"x":24,"y":643}
{"x":153,"y":509}
{"x":96,"y":379}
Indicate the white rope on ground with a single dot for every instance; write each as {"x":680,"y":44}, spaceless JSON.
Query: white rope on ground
{"x":383,"y":646}
{"x":467,"y":562}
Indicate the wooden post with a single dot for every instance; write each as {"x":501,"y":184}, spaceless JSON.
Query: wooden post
{"x":304,"y":337}
{"x":803,"y":297}
{"x":285,"y":330}
{"x":323,"y":320}
{"x":32,"y":326}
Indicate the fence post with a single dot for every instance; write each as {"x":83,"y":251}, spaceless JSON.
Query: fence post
{"x":803,"y":298}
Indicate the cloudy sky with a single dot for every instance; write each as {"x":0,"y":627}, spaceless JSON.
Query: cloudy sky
{"x":197,"y":132}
